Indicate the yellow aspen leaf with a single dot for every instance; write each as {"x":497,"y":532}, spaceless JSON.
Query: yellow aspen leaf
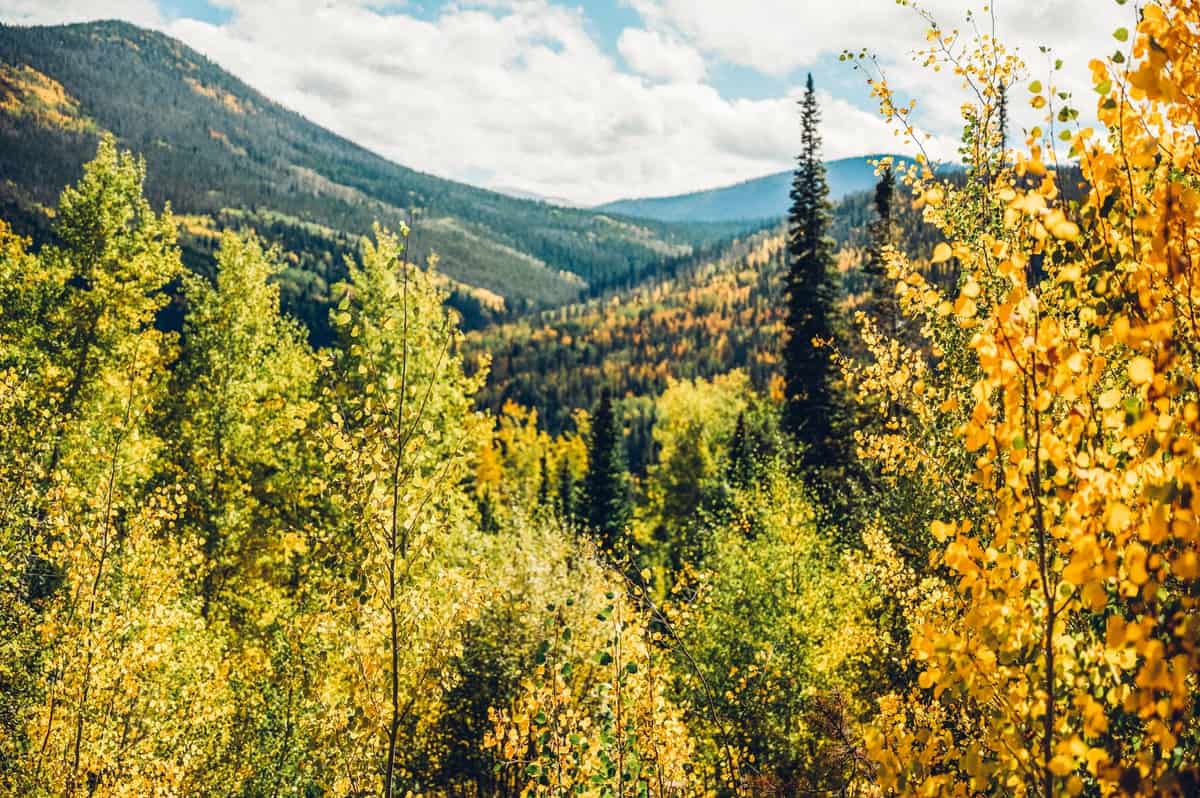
{"x":1141,"y":370}
{"x":941,"y":530}
{"x":1118,"y":516}
{"x":1064,"y":230}
{"x":1094,"y":595}
{"x":1110,"y":399}
{"x":965,"y":307}
{"x":942,"y":253}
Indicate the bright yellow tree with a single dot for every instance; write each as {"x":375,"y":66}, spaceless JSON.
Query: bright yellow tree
{"x":1057,"y":639}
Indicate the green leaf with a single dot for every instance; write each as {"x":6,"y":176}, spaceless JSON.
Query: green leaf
{"x":1121,"y":34}
{"x":1035,"y":87}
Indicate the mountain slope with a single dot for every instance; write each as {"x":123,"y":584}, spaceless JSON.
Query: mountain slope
{"x":761,"y":198}
{"x":223,"y":154}
{"x":706,"y":318}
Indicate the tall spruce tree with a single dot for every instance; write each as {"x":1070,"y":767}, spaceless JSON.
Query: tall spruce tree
{"x":566,"y":490}
{"x":605,"y":488}
{"x":740,"y":466}
{"x":882,"y":304}
{"x":810,"y":295}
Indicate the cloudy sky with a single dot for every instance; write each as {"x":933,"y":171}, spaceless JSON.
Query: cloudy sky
{"x":594,"y":100}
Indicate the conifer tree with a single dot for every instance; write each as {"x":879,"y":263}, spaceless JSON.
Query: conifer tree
{"x":605,"y":488}
{"x":882,"y":303}
{"x":741,"y":461}
{"x":543,"y":498}
{"x":566,"y":490}
{"x":809,"y":295}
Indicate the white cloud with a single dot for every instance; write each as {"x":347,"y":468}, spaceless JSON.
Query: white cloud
{"x":652,"y":54}
{"x":517,"y":93}
{"x":778,"y":37}
{"x":45,"y":12}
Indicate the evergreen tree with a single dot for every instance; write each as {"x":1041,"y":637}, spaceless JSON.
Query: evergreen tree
{"x":605,"y":488}
{"x":741,"y":462}
{"x":566,"y":490}
{"x":807,"y":368}
{"x":882,"y":303}
{"x":543,"y":498}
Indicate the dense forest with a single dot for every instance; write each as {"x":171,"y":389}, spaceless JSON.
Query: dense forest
{"x":695,"y":318}
{"x":899,"y":499}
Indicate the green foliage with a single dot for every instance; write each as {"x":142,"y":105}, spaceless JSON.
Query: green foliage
{"x":695,"y":422}
{"x":776,"y":645}
{"x":809,"y":292}
{"x":606,"y":499}
{"x":233,"y":565}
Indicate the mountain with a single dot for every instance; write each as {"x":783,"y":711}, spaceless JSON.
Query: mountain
{"x":225,"y":156}
{"x":716,"y":312}
{"x":760,"y":198}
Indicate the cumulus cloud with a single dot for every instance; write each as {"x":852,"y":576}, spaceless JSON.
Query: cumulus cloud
{"x":519,"y":93}
{"x":652,"y":54}
{"x":47,"y":12}
{"x":778,"y":37}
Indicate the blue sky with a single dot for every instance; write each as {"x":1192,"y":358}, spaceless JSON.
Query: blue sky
{"x":594,"y":100}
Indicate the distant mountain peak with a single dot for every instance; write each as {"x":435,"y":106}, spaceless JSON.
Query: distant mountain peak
{"x":758,"y":198}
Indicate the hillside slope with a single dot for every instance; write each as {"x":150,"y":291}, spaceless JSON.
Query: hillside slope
{"x":223,"y":154}
{"x":706,"y":318}
{"x":761,"y":198}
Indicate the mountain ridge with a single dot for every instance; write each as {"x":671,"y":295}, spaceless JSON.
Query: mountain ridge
{"x":225,"y":155}
{"x":763,"y":197}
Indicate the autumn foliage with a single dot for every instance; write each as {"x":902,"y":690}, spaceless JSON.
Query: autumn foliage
{"x":232,"y":564}
{"x":1055,"y":639}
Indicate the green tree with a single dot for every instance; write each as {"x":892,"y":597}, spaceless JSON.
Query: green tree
{"x":242,"y":422}
{"x":566,"y":490}
{"x":242,"y":400}
{"x":810,"y":296}
{"x":119,"y":648}
{"x":403,"y":436}
{"x":882,"y":302}
{"x":740,"y":465}
{"x":606,"y":484}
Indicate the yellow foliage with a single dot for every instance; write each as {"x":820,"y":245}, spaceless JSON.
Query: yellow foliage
{"x":25,"y":91}
{"x":1062,"y":651}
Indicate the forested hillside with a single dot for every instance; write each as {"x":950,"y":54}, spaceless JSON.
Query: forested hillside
{"x":703,"y":320}
{"x":228,"y":158}
{"x":898,"y":500}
